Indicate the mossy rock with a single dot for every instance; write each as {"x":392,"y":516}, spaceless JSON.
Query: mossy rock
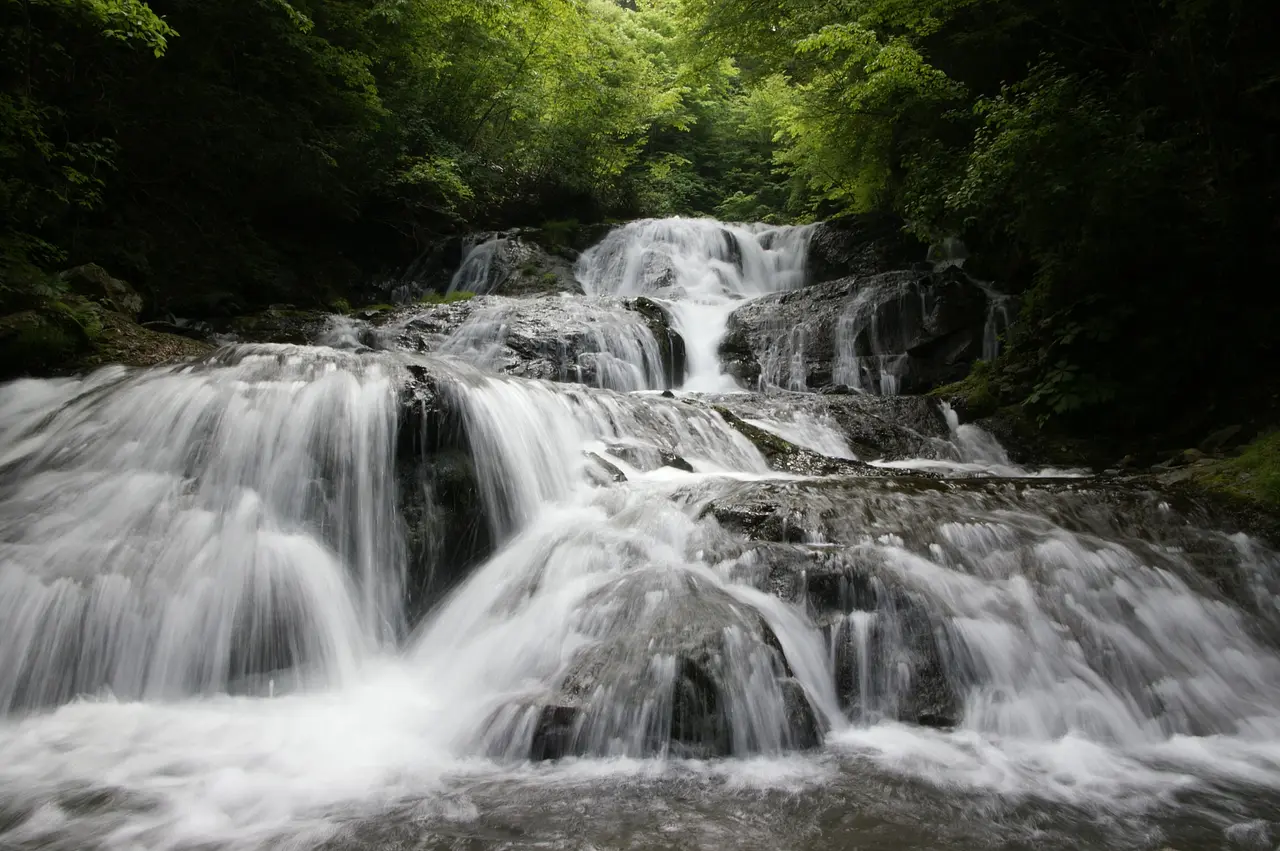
{"x":74,"y":335}
{"x":37,"y":343}
{"x":1248,"y":481}
{"x":92,"y":282}
{"x":281,"y":325}
{"x":973,"y":397}
{"x":126,"y":342}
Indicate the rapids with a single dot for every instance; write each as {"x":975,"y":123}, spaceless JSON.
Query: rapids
{"x":237,"y":612}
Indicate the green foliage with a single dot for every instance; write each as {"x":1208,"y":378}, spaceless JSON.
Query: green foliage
{"x":1117,"y":168}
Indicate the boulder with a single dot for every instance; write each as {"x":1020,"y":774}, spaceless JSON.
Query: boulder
{"x":786,"y":457}
{"x":889,"y":428}
{"x":891,"y":333}
{"x":861,"y":246}
{"x":663,"y":675}
{"x":279,"y":324}
{"x":92,"y":282}
{"x":516,"y":262}
{"x":619,"y":345}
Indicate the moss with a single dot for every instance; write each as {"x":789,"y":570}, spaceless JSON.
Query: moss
{"x":74,"y":335}
{"x":340,"y":305}
{"x":446,"y":298}
{"x":975,"y":394}
{"x":124,"y":341}
{"x":770,"y":445}
{"x":35,"y":343}
{"x":1252,"y":476}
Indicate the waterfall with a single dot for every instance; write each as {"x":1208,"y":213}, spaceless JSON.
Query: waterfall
{"x":218,"y":632}
{"x":703,"y":269}
{"x":192,"y":529}
{"x":475,"y":274}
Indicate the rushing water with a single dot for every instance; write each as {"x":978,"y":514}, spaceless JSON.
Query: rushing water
{"x":703,"y":269}
{"x":206,"y":645}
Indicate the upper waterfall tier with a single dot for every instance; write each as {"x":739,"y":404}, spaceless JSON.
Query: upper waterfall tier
{"x":702,"y":269}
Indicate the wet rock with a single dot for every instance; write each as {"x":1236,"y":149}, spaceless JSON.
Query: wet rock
{"x":279,"y":325}
{"x":554,"y":732}
{"x":601,"y":342}
{"x":663,"y":676}
{"x":861,"y":245}
{"x":92,"y":282}
{"x":674,"y":461}
{"x":1221,"y":439}
{"x":446,"y":523}
{"x":875,"y":428}
{"x":516,"y":262}
{"x":671,"y":346}
{"x":786,"y":457}
{"x":896,"y":332}
{"x":602,"y":472}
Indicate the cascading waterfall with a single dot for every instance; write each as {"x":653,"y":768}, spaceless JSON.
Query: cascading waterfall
{"x":601,"y":344}
{"x":475,"y":273}
{"x":205,"y":641}
{"x":870,"y":354}
{"x":188,"y":530}
{"x":702,"y":269}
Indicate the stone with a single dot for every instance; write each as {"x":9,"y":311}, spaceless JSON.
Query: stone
{"x":602,"y":472}
{"x":894,"y":332}
{"x":35,"y":343}
{"x":692,"y":649}
{"x":1220,"y":439}
{"x":93,"y":282}
{"x":514,"y":263}
{"x":861,"y":245}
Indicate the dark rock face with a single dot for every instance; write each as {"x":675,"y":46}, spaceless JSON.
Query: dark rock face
{"x":670,"y":343}
{"x":281,"y":324}
{"x":600,"y":342}
{"x":861,"y":246}
{"x":889,"y":428}
{"x":894,"y":332}
{"x":660,"y":679}
{"x":786,"y":457}
{"x":92,"y":282}
{"x":37,"y":342}
{"x":515,"y":262}
{"x":446,"y":523}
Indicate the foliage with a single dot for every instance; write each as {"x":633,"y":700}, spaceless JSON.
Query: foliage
{"x":1117,"y":168}
{"x":229,"y":155}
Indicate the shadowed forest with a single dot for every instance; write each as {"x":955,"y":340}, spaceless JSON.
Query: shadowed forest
{"x":1114,"y":165}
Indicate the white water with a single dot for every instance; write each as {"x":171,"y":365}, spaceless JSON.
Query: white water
{"x":203,"y":646}
{"x":599,"y":343}
{"x":702,"y":269}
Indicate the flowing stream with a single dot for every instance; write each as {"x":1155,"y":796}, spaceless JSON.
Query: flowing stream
{"x":207,"y":639}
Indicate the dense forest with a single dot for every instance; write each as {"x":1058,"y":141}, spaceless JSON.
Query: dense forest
{"x":1112,"y":164}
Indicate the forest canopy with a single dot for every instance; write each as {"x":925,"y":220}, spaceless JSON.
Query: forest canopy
{"x":1115,"y":165}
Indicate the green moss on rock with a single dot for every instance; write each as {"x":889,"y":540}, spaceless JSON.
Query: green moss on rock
{"x":1251,"y":476}
{"x":974,"y":396}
